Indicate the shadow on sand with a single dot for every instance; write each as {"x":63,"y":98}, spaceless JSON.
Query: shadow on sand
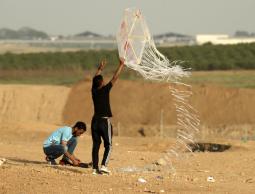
{"x":25,"y":161}
{"x":18,"y":161}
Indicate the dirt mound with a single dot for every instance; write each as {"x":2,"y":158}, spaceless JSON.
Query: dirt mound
{"x":133,"y":103}
{"x":139,"y":103}
{"x":26,"y":103}
{"x":137,"y":107}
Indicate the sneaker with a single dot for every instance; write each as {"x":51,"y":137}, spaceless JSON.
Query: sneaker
{"x":104,"y":169}
{"x":65,"y":162}
{"x":50,"y":161}
{"x":96,"y":172}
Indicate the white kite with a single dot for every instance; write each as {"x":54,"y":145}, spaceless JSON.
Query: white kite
{"x":136,"y":46}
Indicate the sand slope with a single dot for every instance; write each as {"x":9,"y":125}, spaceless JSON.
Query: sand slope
{"x":138,"y":104}
{"x":28,"y":103}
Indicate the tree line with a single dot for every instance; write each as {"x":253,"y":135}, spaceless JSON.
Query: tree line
{"x":205,"y":57}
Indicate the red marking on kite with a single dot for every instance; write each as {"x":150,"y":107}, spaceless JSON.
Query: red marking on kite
{"x":123,"y":25}
{"x":126,"y":46}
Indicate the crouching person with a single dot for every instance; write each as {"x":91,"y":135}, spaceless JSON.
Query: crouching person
{"x":63,"y":142}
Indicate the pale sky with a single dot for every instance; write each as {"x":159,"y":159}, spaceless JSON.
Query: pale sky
{"x":189,"y":17}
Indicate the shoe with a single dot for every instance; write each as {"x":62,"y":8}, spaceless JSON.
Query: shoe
{"x":104,"y":169}
{"x":97,"y":172}
{"x":50,"y":161}
{"x":65,"y":162}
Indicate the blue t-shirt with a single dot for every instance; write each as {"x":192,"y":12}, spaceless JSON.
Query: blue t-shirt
{"x":61,"y":134}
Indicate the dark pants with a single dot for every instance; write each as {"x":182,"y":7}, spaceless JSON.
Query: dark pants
{"x":101,"y":128}
{"x":55,"y":151}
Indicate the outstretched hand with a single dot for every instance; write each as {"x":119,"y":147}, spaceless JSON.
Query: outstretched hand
{"x":122,"y":61}
{"x":101,"y":67}
{"x":118,"y":70}
{"x":102,"y":64}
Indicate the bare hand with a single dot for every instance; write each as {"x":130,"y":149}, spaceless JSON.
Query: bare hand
{"x":76,"y":162}
{"x":122,"y":61}
{"x":102,"y":64}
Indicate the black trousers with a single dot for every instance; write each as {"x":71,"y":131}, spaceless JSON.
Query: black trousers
{"x":101,"y":128}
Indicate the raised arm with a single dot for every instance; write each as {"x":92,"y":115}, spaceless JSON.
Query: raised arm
{"x":118,"y":71}
{"x":101,"y":67}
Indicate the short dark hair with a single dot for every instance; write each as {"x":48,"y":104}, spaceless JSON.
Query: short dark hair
{"x":80,"y":125}
{"x":97,"y":81}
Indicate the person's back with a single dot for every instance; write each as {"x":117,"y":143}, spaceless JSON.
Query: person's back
{"x":101,"y":100}
{"x":101,"y":126}
{"x":61,"y":134}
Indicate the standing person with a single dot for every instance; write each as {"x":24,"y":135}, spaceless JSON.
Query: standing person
{"x":101,"y":126}
{"x":63,"y":142}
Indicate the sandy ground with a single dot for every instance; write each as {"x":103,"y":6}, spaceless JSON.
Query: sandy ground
{"x":28,"y":114}
{"x":26,"y":172}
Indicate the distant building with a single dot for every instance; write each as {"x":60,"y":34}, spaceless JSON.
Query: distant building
{"x":222,"y":39}
{"x":173,"y":39}
{"x":87,"y":35}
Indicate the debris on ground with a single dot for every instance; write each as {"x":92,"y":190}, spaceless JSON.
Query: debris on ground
{"x":141,"y":180}
{"x":2,"y":161}
{"x":161,"y":162}
{"x":210,"y":179}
